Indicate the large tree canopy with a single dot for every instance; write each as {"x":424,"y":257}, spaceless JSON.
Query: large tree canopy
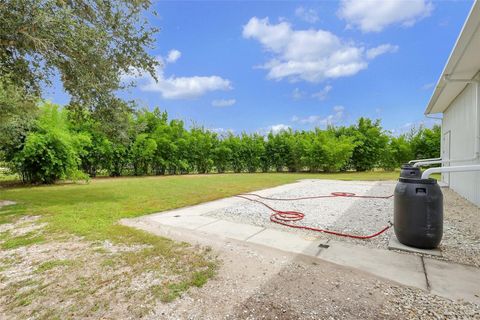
{"x":89,"y":43}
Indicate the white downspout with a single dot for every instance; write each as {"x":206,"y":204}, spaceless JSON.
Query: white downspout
{"x":429,"y":171}
{"x":477,"y":144}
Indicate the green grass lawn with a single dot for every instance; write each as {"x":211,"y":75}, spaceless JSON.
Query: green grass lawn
{"x":92,"y":211}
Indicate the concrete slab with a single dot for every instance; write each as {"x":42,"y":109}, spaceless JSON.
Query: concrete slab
{"x":453,"y":281}
{"x":445,"y":279}
{"x":227,"y":229}
{"x":443,"y":184}
{"x":402,"y":268}
{"x":448,"y":280}
{"x":394,"y":244}
{"x":288,"y":242}
{"x":187,"y":222}
{"x":200,"y":209}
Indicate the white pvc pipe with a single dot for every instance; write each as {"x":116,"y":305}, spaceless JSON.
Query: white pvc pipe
{"x":422,"y":160}
{"x":427,"y":163}
{"x":477,"y":138}
{"x":428,"y":172}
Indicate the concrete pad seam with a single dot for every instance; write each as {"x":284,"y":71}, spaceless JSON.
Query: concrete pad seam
{"x":206,"y":224}
{"x":425,"y":272}
{"x":253,"y":235}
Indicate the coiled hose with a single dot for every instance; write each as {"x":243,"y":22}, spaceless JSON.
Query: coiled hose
{"x":286,"y":218}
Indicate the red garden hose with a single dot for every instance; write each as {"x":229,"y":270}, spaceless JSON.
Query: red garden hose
{"x":285,"y":218}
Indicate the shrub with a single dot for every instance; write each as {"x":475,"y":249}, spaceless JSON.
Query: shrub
{"x":51,"y":152}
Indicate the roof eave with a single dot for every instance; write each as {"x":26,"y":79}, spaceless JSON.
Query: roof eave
{"x":471,"y":27}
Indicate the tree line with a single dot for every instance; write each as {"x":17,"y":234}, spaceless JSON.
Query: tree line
{"x":97,"y":133}
{"x":68,"y":143}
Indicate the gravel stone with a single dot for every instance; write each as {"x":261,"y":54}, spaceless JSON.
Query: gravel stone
{"x":461,"y":240}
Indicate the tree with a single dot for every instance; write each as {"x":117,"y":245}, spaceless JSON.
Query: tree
{"x":51,"y":151}
{"x":201,"y":143}
{"x":89,"y":43}
{"x":426,"y":142}
{"x":325,"y":151}
{"x":234,"y":143}
{"x":397,"y":152}
{"x":143,"y":152}
{"x":177,"y":155}
{"x":221,"y":156}
{"x":278,"y":148}
{"x":252,"y":148}
{"x":369,"y":139}
{"x":18,"y":111}
{"x":338,"y":150}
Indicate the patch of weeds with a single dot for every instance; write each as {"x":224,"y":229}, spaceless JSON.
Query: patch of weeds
{"x":24,"y":240}
{"x":170,"y":292}
{"x":11,"y":213}
{"x":4,"y":235}
{"x":184,"y":244}
{"x":47,"y":314}
{"x":9,"y":260}
{"x":48,"y":265}
{"x":26,"y":297}
{"x":101,"y":250}
{"x":109,"y":262}
{"x":23,"y":292}
{"x":199,"y":278}
{"x":99,"y":305}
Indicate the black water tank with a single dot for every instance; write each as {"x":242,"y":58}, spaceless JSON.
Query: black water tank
{"x":418,"y":212}
{"x":409,"y":171}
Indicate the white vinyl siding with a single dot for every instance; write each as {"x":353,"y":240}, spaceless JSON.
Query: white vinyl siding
{"x":460,"y":119}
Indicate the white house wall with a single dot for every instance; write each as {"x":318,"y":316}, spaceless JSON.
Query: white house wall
{"x":460,"y":119}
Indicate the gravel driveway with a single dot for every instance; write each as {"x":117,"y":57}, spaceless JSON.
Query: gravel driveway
{"x":461,"y":241}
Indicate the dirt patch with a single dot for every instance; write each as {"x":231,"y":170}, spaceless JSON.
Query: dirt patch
{"x":66,"y":276}
{"x":256,"y":282}
{"x":4,"y":203}
{"x":21,"y":223}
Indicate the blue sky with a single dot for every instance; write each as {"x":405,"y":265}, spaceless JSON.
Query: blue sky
{"x":253,"y":66}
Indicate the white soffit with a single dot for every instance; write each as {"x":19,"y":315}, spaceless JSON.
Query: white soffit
{"x":463,"y":63}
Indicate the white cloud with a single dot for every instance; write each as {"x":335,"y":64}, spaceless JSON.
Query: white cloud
{"x":297,"y":94}
{"x":310,"y":55}
{"x":337,"y":116}
{"x":223,"y":102}
{"x":221,"y":131}
{"x":173,"y":56}
{"x":381,"y":49}
{"x":415,"y":125}
{"x":276,"y":128}
{"x":174,"y":87}
{"x":308,"y":15}
{"x":339,"y":109}
{"x":185,"y":87}
{"x":375,"y":15}
{"x":322,"y":94}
